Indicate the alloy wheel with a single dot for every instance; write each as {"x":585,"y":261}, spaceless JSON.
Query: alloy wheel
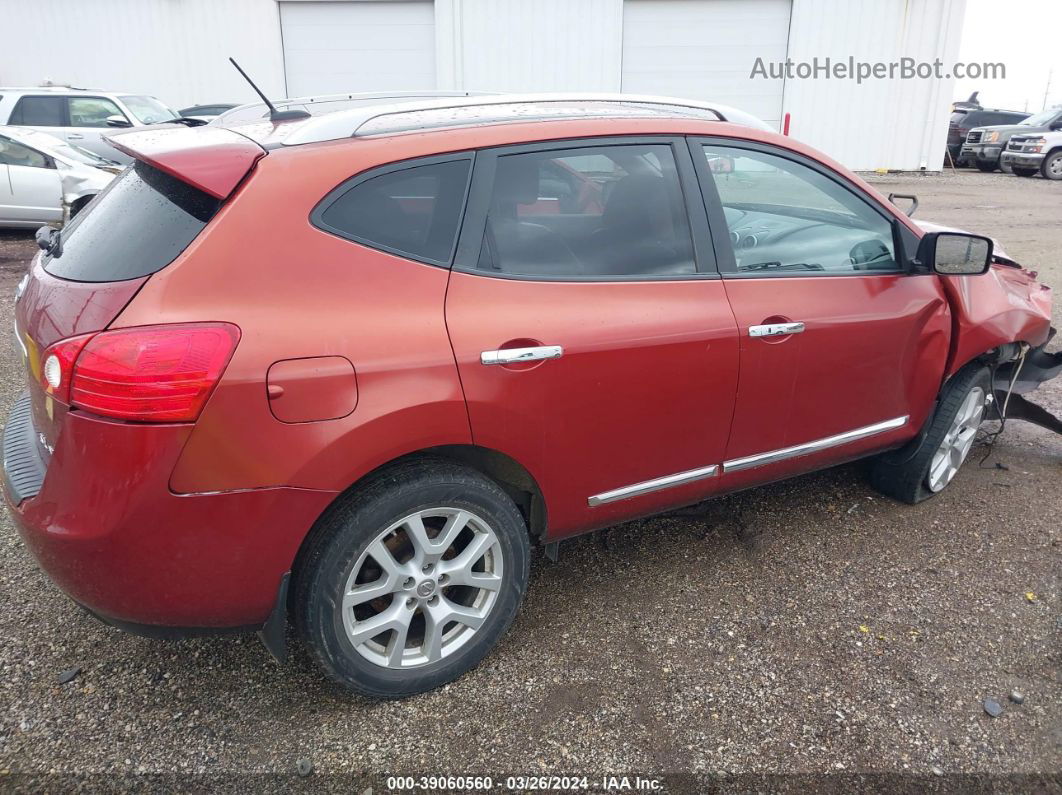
{"x":422,"y":588}
{"x":957,"y":441}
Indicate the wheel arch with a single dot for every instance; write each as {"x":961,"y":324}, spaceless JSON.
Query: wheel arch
{"x":508,"y":473}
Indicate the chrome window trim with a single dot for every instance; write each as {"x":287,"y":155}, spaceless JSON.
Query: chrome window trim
{"x":762,"y":459}
{"x":648,"y":486}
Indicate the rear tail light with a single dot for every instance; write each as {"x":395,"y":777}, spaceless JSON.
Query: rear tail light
{"x":57,"y":366}
{"x":160,"y":373}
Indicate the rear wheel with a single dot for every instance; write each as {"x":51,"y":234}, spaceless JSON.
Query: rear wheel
{"x":410,"y":582}
{"x":1051,"y":168}
{"x":925,"y":468}
{"x":986,"y":165}
{"x":1023,"y":172}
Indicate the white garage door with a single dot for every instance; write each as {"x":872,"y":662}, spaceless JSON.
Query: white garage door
{"x":336,"y":47}
{"x":705,"y":49}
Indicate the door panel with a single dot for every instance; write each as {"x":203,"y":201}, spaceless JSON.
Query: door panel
{"x":36,"y":194}
{"x":842,"y":351}
{"x":873,"y":349}
{"x":633,"y":365}
{"x":644,"y":387}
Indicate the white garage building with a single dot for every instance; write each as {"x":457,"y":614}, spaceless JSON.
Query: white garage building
{"x":702,"y":49}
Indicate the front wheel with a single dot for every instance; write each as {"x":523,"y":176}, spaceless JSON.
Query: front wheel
{"x":986,"y":165}
{"x":410,"y":582}
{"x":1023,"y":172}
{"x":1051,"y":168}
{"x":923,"y":469}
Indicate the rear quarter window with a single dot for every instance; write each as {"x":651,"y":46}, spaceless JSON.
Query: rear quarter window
{"x":39,"y":112}
{"x":135,"y":227}
{"x":414,"y":211}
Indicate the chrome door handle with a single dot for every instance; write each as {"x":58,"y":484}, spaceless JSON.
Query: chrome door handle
{"x":517,"y":355}
{"x":776,"y":329}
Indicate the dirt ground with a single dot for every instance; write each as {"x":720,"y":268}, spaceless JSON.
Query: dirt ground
{"x":810,"y":627}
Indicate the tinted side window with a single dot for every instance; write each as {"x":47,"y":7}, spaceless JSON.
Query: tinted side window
{"x":12,"y":153}
{"x":414,"y":211}
{"x":40,"y":112}
{"x":784,"y":217}
{"x":594,"y":212}
{"x":92,"y":111}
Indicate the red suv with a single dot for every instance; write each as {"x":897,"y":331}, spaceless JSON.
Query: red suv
{"x":349,"y":368}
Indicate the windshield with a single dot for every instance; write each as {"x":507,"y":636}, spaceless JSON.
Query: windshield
{"x":149,"y":110}
{"x":1040,"y":119}
{"x":52,"y":145}
{"x":58,"y":146}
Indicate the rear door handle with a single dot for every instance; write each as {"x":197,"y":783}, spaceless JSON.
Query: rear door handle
{"x":776,"y":329}
{"x":517,"y":355}
{"x":74,"y":136}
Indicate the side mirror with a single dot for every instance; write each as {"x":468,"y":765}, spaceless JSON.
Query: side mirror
{"x":1056,"y":124}
{"x":118,"y":121}
{"x":955,"y":253}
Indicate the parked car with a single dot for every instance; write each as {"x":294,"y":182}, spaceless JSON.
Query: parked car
{"x":984,"y":145}
{"x":962,"y":121}
{"x":1027,"y":154}
{"x":205,"y":113}
{"x":81,"y":116}
{"x":43,"y":179}
{"x":358,"y":363}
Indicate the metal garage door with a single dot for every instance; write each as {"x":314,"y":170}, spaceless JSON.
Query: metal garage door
{"x":705,"y":49}
{"x":335,"y":47}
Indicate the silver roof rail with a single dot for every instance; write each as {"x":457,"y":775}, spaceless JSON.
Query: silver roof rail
{"x":255,"y":111}
{"x":347,"y":123}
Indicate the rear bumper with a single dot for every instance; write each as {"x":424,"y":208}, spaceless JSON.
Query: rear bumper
{"x":106,"y":528}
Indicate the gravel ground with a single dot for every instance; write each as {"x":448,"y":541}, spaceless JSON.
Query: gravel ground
{"x":809,"y":627}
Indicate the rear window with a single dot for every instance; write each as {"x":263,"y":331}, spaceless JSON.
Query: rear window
{"x":413,"y":211}
{"x":135,"y":227}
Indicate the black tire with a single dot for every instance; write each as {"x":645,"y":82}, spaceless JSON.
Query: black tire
{"x":903,"y":474}
{"x":80,"y":205}
{"x":342,"y":538}
{"x":987,"y":166}
{"x":1051,"y":168}
{"x":1023,"y":172}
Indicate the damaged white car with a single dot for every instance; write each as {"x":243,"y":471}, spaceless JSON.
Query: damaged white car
{"x":45,"y":180}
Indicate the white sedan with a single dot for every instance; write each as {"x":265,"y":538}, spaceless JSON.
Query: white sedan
{"x":44,"y":179}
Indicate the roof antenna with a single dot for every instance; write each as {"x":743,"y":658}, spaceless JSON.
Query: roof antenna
{"x":274,"y":114}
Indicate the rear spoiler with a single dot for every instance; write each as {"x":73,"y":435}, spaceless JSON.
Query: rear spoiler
{"x":212,"y":159}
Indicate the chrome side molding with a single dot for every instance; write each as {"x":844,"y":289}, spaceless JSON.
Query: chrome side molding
{"x":517,"y":355}
{"x":647,"y":486}
{"x":762,"y":459}
{"x":748,"y":462}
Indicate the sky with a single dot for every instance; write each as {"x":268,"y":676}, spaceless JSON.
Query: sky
{"x":1023,"y":35}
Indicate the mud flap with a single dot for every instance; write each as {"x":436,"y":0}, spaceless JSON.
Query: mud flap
{"x":273,"y":633}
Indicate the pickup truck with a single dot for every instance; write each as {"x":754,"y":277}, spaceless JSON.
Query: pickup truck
{"x":1027,"y":154}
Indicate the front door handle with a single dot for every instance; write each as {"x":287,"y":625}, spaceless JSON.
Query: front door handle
{"x":776,"y":329}
{"x":74,"y":136}
{"x":517,"y":355}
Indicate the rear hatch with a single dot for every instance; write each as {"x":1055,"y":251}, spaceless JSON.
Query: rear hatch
{"x":136,"y":227}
